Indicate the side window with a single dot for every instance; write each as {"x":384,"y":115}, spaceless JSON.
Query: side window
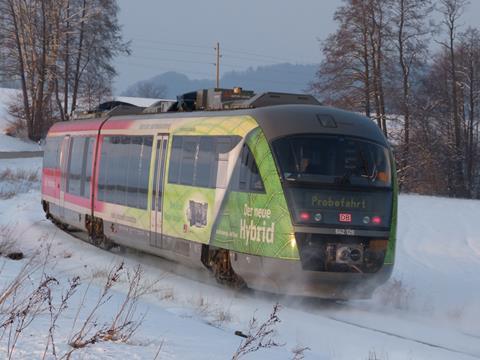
{"x":246,"y":177}
{"x":125,"y":169}
{"x":75,"y":166}
{"x":51,"y":150}
{"x":103,"y":166}
{"x":200,"y":160}
{"x":87,"y":178}
{"x":132,"y":163}
{"x":113,"y":169}
{"x":205,"y":166}
{"x":175,"y":159}
{"x":159,"y":172}
{"x":116,"y":171}
{"x":144,"y":171}
{"x":189,"y":155}
{"x":224,"y":145}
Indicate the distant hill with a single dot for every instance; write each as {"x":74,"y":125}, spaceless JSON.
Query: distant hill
{"x":279,"y":77}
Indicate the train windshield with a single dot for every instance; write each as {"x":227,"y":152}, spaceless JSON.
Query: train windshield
{"x":337,"y":160}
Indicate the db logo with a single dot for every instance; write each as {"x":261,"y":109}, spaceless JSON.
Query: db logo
{"x":345,"y":217}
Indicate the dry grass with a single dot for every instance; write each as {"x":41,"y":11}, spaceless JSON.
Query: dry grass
{"x":7,"y":194}
{"x":32,"y":293}
{"x":99,"y":273}
{"x":19,"y":174}
{"x":214,"y":314}
{"x":17,"y":181}
{"x":259,"y":335}
{"x":17,"y":127}
{"x":9,"y":241}
{"x":166,"y":294}
{"x":298,"y":352}
{"x":125,"y":321}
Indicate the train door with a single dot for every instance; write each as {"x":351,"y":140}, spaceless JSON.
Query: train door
{"x":157,"y":194}
{"x":64,"y":157}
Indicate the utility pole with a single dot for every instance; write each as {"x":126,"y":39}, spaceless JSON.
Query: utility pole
{"x":217,"y":64}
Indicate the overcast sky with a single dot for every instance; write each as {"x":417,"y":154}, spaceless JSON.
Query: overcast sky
{"x":181,"y":35}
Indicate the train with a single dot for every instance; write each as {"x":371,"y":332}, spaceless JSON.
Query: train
{"x":271,"y":191}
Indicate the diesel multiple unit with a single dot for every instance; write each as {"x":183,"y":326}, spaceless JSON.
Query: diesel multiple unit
{"x":274,"y":191}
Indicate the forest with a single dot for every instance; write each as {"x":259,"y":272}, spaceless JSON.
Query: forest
{"x":412,"y":67}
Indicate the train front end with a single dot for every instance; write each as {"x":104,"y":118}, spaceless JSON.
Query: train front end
{"x":338,"y":177}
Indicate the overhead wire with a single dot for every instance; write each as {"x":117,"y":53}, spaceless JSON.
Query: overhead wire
{"x":150,"y":66}
{"x":225,"y":51}
{"x":228,"y":54}
{"x":237,"y":66}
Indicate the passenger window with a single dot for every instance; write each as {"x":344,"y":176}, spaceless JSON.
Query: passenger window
{"x":116,"y":170}
{"x":125,"y":169}
{"x":175,"y":160}
{"x":75,"y":166}
{"x":224,"y":146}
{"x":200,"y":160}
{"x":189,"y":154}
{"x":144,"y":171}
{"x":247,"y":176}
{"x":159,"y":168}
{"x":134,"y":147}
{"x":87,"y":178}
{"x":103,"y":169}
{"x":205,"y":167}
{"x":52,"y":147}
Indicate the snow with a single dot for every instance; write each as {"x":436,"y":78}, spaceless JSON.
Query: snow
{"x":143,"y":102}
{"x":8,"y":143}
{"x":428,"y":310}
{"x":6,"y":95}
{"x":437,"y":263}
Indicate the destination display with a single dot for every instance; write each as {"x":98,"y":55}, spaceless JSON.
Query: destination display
{"x":330,"y":207}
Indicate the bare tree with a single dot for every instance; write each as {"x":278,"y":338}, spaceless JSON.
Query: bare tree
{"x":344,"y":78}
{"x":469,"y":81}
{"x":49,"y":46}
{"x":352,"y":73}
{"x":378,"y":30}
{"x":452,"y":10}
{"x":410,"y":32}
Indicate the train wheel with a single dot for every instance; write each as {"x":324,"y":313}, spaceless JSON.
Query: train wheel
{"x":97,"y":237}
{"x":218,"y":261}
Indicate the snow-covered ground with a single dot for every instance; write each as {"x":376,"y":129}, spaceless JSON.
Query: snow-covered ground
{"x":428,"y":310}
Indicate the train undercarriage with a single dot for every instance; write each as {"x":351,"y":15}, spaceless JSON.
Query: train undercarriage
{"x":314,"y":276}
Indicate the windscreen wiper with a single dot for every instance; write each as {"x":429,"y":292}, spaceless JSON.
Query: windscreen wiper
{"x":374,"y":174}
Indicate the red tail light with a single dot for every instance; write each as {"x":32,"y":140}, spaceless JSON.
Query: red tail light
{"x":377,"y":220}
{"x":304,"y":216}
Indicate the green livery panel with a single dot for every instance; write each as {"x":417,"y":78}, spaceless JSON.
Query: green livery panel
{"x":258,"y":223}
